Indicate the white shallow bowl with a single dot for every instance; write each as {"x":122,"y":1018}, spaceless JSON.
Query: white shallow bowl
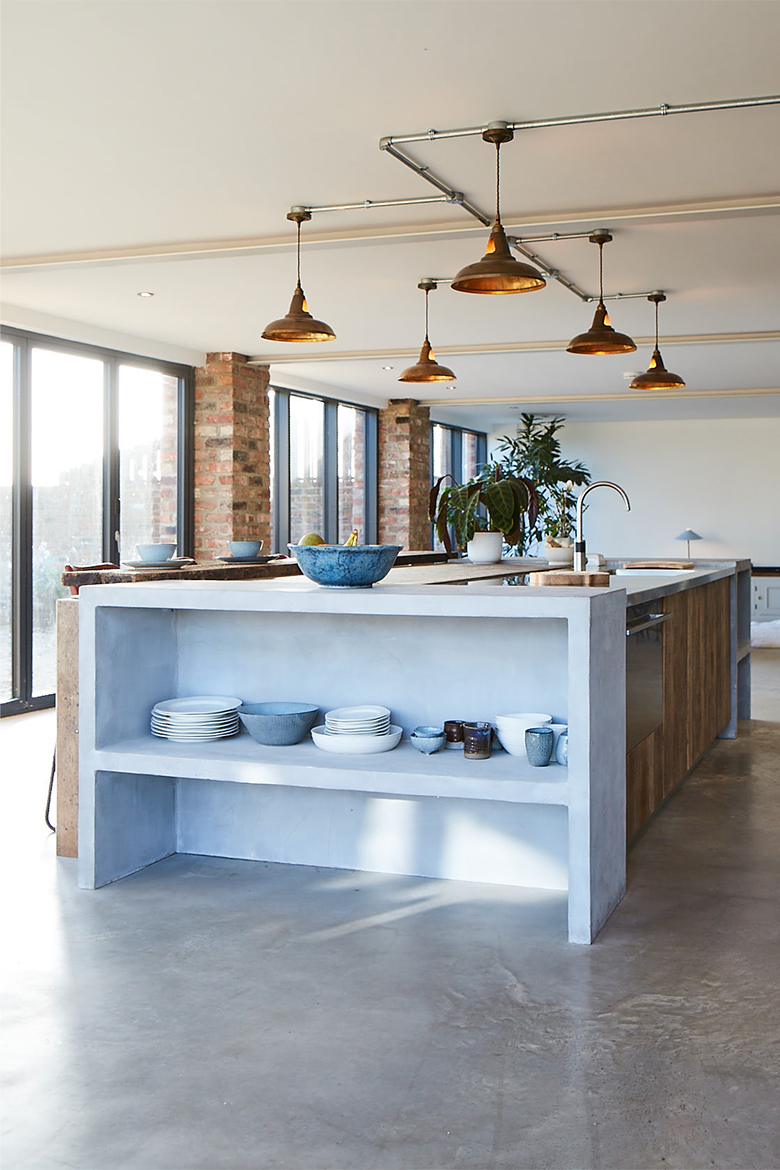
{"x":520,"y":723}
{"x":356,"y":745}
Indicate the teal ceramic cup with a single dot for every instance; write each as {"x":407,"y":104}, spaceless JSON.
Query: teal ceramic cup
{"x":539,"y":746}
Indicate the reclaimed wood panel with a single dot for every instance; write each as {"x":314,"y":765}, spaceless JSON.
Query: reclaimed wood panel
{"x":644,"y":782}
{"x":676,"y":691}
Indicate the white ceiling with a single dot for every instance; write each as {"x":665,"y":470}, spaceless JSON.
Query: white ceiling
{"x":145,"y":126}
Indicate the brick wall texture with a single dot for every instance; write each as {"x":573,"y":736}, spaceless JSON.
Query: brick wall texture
{"x":404,"y":474}
{"x":232,"y":454}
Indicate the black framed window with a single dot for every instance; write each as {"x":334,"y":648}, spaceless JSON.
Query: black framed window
{"x":458,"y":452}
{"x":323,"y":468}
{"x":100,"y":459}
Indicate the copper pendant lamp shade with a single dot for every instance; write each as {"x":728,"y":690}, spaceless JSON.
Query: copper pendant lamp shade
{"x":657,"y":377}
{"x":298,"y":324}
{"x":427,"y":369}
{"x":498,"y":272}
{"x":601,"y":338}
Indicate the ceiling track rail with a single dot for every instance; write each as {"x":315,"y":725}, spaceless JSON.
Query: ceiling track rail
{"x":392,"y":144}
{"x":659,"y":111}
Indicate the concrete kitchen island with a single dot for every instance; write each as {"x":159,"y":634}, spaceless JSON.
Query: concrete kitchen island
{"x":429,"y":653}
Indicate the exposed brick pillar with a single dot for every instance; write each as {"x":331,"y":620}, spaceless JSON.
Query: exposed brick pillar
{"x":232,"y":454}
{"x":404,"y":474}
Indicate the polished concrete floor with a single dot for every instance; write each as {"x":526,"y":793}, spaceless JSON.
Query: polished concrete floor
{"x":216,"y":1015}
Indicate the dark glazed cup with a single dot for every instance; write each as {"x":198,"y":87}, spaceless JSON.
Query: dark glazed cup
{"x":453,"y":733}
{"x":539,"y":746}
{"x":476,"y":741}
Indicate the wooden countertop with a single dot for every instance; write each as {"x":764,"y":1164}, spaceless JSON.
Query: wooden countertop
{"x":217,"y":571}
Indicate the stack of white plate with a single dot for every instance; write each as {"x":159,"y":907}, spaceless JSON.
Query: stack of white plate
{"x":358,"y":721}
{"x":357,"y":731}
{"x":197,"y":718}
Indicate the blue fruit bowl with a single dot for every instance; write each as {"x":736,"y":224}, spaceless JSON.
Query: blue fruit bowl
{"x":278,"y":724}
{"x":337,"y":566}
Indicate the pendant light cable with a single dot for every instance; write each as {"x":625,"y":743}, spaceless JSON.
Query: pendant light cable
{"x":601,"y":272}
{"x":656,"y":324}
{"x":498,"y":182}
{"x":298,"y":225}
{"x":426,"y":314}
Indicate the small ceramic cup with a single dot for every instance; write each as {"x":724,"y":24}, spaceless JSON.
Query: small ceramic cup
{"x":539,"y":746}
{"x":562,"y":749}
{"x":243,"y":549}
{"x":453,"y":734}
{"x":476,"y":741}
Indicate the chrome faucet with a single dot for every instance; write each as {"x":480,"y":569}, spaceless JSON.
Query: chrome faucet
{"x":580,"y":556}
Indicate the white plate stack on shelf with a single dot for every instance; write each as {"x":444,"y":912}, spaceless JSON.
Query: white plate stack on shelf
{"x":357,"y":731}
{"x":197,"y":718}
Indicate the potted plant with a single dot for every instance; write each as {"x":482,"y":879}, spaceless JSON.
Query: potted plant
{"x":492,"y":507}
{"x":535,"y":453}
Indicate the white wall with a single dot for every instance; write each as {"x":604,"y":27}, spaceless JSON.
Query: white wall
{"x":720,"y":477}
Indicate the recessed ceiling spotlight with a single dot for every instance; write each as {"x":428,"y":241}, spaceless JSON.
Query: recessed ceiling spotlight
{"x":145,"y":294}
{"x":387,"y":367}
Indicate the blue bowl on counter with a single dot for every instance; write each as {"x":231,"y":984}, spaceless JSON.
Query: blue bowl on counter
{"x":278,"y":724}
{"x":338,"y":566}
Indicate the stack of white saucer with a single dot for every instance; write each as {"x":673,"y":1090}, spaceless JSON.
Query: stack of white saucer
{"x":197,"y":718}
{"x":366,"y":720}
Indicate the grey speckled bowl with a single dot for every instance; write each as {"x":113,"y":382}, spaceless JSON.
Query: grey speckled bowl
{"x":278,"y":724}
{"x":337,"y":566}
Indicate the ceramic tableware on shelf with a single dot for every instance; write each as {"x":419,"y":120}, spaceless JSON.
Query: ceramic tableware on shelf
{"x":155,"y":552}
{"x":240,"y":550}
{"x":539,"y":746}
{"x":477,"y":739}
{"x":557,"y":730}
{"x":511,"y":729}
{"x":197,"y":718}
{"x":365,"y":720}
{"x":356,"y":745}
{"x":427,"y":739}
{"x":562,"y":749}
{"x":453,"y":734}
{"x":278,"y":724}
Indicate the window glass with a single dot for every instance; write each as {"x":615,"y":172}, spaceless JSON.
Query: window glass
{"x":307,"y":438}
{"x":6,"y":482}
{"x":470,"y":467}
{"x":351,"y":472}
{"x":67,"y":483}
{"x":272,"y":485}
{"x":148,"y":458}
{"x":442,"y":451}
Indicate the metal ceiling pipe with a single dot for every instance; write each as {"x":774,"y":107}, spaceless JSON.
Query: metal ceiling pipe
{"x":366,"y":204}
{"x":586,"y":119}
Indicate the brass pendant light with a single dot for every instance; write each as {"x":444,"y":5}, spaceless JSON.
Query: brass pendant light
{"x":498,"y":271}
{"x":427,"y":369}
{"x":298,"y":324}
{"x":601,"y":338}
{"x":657,"y":376}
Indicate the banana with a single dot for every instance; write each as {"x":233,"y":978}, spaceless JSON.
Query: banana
{"x":352,"y":539}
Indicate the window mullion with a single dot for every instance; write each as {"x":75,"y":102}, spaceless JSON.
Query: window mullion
{"x":22,"y":543}
{"x":330,"y":472}
{"x":282,"y":468}
{"x":111,"y":498}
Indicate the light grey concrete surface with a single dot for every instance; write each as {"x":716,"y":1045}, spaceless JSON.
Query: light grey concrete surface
{"x":222,"y":1015}
{"x":413,"y":648}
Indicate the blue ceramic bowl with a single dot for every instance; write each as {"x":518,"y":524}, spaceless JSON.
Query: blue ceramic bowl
{"x":278,"y":724}
{"x":336,"y":566}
